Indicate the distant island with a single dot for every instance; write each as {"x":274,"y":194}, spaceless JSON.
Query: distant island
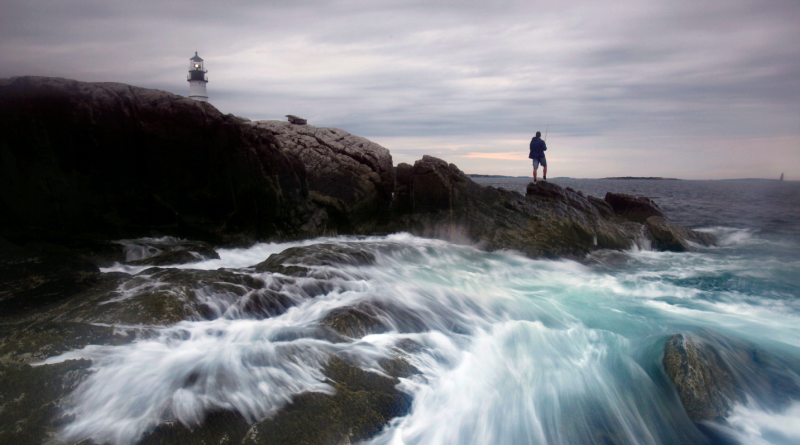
{"x":472,"y":175}
{"x":650,"y":178}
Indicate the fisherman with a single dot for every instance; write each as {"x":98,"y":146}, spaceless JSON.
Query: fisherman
{"x":538,"y":147}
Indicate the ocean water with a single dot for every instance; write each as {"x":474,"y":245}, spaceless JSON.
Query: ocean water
{"x":514,"y":350}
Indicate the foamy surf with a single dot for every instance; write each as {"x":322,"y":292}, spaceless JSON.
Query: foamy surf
{"x":513,"y":350}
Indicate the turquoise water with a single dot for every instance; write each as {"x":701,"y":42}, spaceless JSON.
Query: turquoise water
{"x":513,"y":351}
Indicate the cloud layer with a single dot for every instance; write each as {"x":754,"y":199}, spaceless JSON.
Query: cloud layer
{"x":673,"y":88}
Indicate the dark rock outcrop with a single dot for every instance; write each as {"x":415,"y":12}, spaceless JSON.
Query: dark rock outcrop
{"x":633,"y":208}
{"x":435,"y":199}
{"x":348,"y":176}
{"x":117,"y":161}
{"x":40,"y":274}
{"x":675,"y":238}
{"x":713,"y":372}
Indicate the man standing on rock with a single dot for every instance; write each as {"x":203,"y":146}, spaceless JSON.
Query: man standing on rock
{"x":538,"y":147}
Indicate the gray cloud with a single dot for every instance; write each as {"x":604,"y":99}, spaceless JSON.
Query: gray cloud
{"x":607,"y":75}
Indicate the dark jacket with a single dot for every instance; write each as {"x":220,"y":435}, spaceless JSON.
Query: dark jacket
{"x":538,"y":147}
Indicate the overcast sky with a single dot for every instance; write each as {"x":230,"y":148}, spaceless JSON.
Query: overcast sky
{"x":689,"y":89}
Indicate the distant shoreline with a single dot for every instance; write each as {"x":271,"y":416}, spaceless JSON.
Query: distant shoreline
{"x":649,"y":178}
{"x":645,"y":178}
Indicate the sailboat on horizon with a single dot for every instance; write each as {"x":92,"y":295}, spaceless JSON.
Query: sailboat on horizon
{"x":781,"y":177}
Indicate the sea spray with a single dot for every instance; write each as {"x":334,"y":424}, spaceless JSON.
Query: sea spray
{"x":511,"y":350}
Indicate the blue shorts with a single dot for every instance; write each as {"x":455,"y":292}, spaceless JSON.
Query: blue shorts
{"x":537,"y":161}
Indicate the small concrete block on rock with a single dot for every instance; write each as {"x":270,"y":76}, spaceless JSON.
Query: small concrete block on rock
{"x":296,"y":120}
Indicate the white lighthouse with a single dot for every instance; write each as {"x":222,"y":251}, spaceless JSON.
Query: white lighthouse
{"x":197,"y":79}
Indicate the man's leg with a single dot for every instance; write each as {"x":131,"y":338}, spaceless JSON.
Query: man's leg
{"x":544,"y":173}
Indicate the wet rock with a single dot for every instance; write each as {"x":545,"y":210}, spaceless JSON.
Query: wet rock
{"x":704,"y":382}
{"x":218,"y":428}
{"x":350,"y":177}
{"x":41,"y":274}
{"x":316,"y":255}
{"x":158,"y":296}
{"x":38,"y":341}
{"x":712,"y":373}
{"x":182,"y":256}
{"x":355,"y":322}
{"x":363,"y":404}
{"x":672,"y":237}
{"x":30,"y":397}
{"x":603,"y":207}
{"x":436,"y":199}
{"x":166,"y":251}
{"x":633,"y":208}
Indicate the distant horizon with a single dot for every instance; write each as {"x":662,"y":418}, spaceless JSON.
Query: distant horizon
{"x":654,"y":178}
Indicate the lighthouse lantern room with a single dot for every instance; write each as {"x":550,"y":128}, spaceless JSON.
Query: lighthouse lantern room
{"x":197,"y":79}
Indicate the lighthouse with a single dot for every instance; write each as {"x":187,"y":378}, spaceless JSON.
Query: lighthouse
{"x":197,"y":79}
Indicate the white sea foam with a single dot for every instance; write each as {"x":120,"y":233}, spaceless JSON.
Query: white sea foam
{"x":757,"y":427}
{"x":514,"y":350}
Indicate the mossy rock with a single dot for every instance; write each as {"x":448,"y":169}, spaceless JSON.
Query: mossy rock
{"x":355,"y":322}
{"x":218,"y":428}
{"x":316,"y":255}
{"x":363,"y":404}
{"x":43,"y":340}
{"x":30,"y":398}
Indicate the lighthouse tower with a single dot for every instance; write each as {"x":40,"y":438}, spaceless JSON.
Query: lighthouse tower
{"x":197,"y":79}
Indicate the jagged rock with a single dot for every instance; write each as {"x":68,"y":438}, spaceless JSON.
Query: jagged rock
{"x":118,"y":161}
{"x":436,"y":199}
{"x":349,"y":176}
{"x":603,"y":207}
{"x":672,"y":237}
{"x":633,"y":208}
{"x":712,"y":373}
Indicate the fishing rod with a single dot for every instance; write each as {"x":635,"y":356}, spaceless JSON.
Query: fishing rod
{"x":545,"y":132}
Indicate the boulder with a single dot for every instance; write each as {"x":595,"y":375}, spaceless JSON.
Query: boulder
{"x":713,"y":372}
{"x":667,"y":236}
{"x":704,"y":382}
{"x":349,"y":176}
{"x":118,"y":161}
{"x":355,"y":322}
{"x":633,"y":208}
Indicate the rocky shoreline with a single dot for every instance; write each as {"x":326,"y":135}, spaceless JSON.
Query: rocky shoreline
{"x":92,"y":171}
